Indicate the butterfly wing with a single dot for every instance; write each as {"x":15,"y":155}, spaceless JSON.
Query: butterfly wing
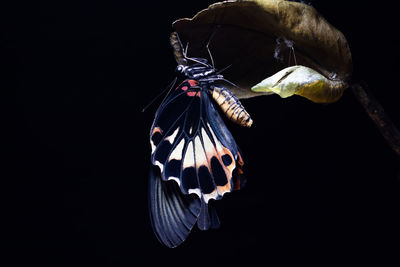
{"x":172,"y":214}
{"x":198,"y":160}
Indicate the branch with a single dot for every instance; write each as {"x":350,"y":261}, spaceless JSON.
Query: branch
{"x":378,"y":115}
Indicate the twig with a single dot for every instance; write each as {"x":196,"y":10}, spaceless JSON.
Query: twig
{"x":378,"y":115}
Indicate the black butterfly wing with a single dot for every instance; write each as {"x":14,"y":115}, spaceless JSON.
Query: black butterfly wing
{"x":198,"y":160}
{"x":172,"y":214}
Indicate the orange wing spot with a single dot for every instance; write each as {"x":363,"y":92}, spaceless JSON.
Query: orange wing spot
{"x":228,"y":152}
{"x":211,"y":154}
{"x":240,"y":163}
{"x":236,"y":180}
{"x":157,"y":130}
{"x":228,"y":171}
{"x":238,"y":172}
{"x":214,"y":153}
{"x":224,"y":188}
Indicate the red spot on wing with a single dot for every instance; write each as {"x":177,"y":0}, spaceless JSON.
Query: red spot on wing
{"x":193,"y":93}
{"x":193,"y":82}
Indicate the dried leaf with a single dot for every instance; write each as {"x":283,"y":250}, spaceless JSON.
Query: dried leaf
{"x":245,"y":34}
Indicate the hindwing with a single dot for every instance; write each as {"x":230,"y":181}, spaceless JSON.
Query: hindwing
{"x":192,"y":146}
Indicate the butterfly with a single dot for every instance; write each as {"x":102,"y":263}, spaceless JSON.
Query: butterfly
{"x":194,"y":159}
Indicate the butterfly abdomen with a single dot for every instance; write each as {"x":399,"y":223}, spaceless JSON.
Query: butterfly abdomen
{"x":231,"y":106}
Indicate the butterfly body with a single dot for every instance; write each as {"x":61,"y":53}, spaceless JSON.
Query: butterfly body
{"x":207,"y":76}
{"x":194,"y":157}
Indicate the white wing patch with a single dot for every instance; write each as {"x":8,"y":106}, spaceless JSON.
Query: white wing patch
{"x":188,"y":161}
{"x":212,"y":195}
{"x":201,"y":159}
{"x":160,"y":165}
{"x":195,"y":191}
{"x":209,"y":148}
{"x":177,"y":152}
{"x":176,"y":179}
{"x":172,"y":137}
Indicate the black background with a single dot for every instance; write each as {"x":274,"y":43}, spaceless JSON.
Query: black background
{"x":323,"y":185}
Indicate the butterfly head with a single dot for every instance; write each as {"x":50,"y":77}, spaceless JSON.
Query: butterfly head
{"x":180,"y":69}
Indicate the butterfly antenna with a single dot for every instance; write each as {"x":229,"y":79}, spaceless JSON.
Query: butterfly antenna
{"x":224,"y":69}
{"x":216,"y":26}
{"x":231,"y":83}
{"x":186,"y":49}
{"x":170,"y":86}
{"x":208,"y":46}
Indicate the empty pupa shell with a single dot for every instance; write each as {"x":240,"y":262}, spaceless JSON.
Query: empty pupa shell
{"x":303,"y":81}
